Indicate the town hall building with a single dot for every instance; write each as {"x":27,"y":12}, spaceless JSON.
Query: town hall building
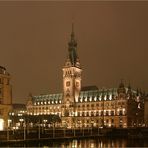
{"x":89,"y":106}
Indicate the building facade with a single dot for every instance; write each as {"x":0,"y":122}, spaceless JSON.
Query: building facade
{"x":89,"y":106}
{"x":5,"y":97}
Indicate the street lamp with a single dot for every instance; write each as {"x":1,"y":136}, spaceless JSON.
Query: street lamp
{"x":24,"y":125}
{"x":21,"y":121}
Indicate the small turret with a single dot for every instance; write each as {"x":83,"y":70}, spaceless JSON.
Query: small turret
{"x":121,"y":88}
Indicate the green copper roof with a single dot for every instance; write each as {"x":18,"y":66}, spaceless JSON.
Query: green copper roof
{"x":48,"y":97}
{"x":96,"y":94}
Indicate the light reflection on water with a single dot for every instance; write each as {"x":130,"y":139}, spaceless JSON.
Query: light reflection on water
{"x":86,"y":143}
{"x":95,"y":143}
{"x":100,"y":143}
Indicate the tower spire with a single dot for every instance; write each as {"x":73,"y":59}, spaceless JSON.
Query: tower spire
{"x":72,"y":33}
{"x":72,"y":48}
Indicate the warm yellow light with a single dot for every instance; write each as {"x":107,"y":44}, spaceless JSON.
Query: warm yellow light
{"x":105,"y":97}
{"x":76,"y":113}
{"x":1,"y":124}
{"x":110,"y":97}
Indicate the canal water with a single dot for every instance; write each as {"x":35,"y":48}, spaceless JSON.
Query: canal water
{"x":85,"y":143}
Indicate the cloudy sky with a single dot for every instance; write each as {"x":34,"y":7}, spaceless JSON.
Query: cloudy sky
{"x":112,"y":44}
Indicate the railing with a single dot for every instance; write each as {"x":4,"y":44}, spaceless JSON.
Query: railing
{"x":35,"y":134}
{"x":49,"y":133}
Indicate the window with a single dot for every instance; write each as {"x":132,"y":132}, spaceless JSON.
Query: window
{"x":87,"y":114}
{"x":0,"y":91}
{"x":1,"y":112}
{"x":92,"y":105}
{"x":101,"y":113}
{"x":112,"y":120}
{"x":97,"y":113}
{"x":112,"y":113}
{"x":82,"y":113}
{"x":1,"y":101}
{"x":68,"y":83}
{"x":78,"y":113}
{"x":120,"y":112}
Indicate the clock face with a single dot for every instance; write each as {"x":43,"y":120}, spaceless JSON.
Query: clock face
{"x":68,"y":83}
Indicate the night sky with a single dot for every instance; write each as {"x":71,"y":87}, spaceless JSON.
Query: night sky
{"x":112,"y":44}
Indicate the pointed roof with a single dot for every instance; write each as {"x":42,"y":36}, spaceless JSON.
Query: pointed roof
{"x":72,"y":48}
{"x":121,"y":88}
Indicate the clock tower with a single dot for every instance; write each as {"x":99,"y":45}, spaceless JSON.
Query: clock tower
{"x":71,"y":77}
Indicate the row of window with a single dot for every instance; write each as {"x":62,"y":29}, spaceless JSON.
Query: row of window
{"x":59,"y":102}
{"x":44,"y":113}
{"x":91,"y":113}
{"x":93,"y":98}
{"x":47,"y":108}
{"x":105,"y":104}
{"x":100,"y":113}
{"x":47,"y":102}
{"x":96,"y":121}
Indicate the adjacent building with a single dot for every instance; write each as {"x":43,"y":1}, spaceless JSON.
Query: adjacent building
{"x":89,"y":106}
{"x":5,"y":97}
{"x":16,"y":116}
{"x":146,"y":111}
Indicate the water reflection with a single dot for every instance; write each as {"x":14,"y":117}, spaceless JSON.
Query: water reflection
{"x":101,"y":143}
{"x":95,"y":143}
{"x":85,"y":143}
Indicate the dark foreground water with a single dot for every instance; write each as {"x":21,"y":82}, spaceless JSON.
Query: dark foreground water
{"x":85,"y":143}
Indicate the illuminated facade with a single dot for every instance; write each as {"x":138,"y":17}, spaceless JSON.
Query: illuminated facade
{"x":5,"y":97}
{"x":89,"y":106}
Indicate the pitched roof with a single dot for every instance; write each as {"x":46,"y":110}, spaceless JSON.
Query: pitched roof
{"x":86,"y":88}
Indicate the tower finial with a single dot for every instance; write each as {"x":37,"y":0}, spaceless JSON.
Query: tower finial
{"x":72,"y":27}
